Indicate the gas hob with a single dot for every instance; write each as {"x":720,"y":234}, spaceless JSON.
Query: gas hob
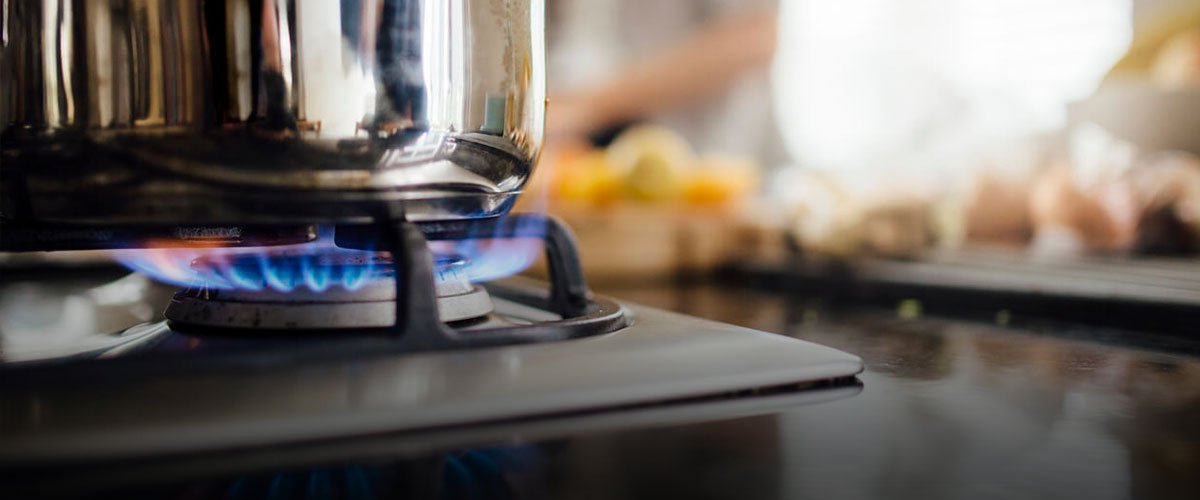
{"x":229,"y":368}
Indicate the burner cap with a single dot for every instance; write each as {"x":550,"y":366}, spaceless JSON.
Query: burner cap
{"x":369,"y":305}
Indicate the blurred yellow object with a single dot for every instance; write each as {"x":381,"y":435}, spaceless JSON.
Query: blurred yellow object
{"x":721,"y":180}
{"x":1178,"y":63}
{"x":653,"y":161}
{"x":649,"y":164}
{"x":1152,"y":37}
{"x":588,"y":179}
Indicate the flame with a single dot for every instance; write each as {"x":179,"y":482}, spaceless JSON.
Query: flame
{"x":320,"y":265}
{"x":316,"y":266}
{"x":489,"y":259}
{"x":253,"y":268}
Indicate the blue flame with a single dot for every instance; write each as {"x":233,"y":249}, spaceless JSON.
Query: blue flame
{"x":316,"y":277}
{"x":321,"y":265}
{"x":315,"y":266}
{"x":490,"y":259}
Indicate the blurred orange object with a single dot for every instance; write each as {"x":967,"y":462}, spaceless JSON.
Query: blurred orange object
{"x":720,"y":180}
{"x":556,"y":157}
{"x":996,"y":209}
{"x":588,"y":180}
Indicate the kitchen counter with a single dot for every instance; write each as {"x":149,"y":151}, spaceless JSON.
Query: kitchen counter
{"x":947,"y":409}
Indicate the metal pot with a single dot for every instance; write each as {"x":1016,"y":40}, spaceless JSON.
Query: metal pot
{"x":267,"y":111}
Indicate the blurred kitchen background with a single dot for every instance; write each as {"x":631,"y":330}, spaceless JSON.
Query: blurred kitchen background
{"x":866,"y":138}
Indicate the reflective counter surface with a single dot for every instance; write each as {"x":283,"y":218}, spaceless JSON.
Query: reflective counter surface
{"x":947,"y":409}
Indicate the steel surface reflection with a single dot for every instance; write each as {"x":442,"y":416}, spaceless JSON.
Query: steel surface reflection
{"x":165,"y":110}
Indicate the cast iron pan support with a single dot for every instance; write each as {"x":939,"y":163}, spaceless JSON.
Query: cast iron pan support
{"x":418,"y":322}
{"x":569,"y":293}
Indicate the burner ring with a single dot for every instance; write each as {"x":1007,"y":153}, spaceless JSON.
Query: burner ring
{"x":373,"y":305}
{"x":193,"y":307}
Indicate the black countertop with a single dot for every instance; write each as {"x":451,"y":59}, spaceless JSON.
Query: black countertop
{"x":951,"y":409}
{"x":948,"y":409}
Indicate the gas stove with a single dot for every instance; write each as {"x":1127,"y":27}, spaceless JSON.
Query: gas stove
{"x":326,"y":190}
{"x":352,"y":331}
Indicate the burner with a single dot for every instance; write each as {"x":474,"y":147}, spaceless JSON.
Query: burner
{"x":354,"y":291}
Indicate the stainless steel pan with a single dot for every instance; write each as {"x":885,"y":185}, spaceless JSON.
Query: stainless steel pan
{"x":271,"y":111}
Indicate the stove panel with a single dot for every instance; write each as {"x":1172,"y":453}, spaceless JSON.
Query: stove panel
{"x":662,"y":357}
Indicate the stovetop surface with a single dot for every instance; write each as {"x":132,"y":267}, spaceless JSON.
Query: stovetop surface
{"x":948,"y":408}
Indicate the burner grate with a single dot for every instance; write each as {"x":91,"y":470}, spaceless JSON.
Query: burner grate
{"x":418,"y":322}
